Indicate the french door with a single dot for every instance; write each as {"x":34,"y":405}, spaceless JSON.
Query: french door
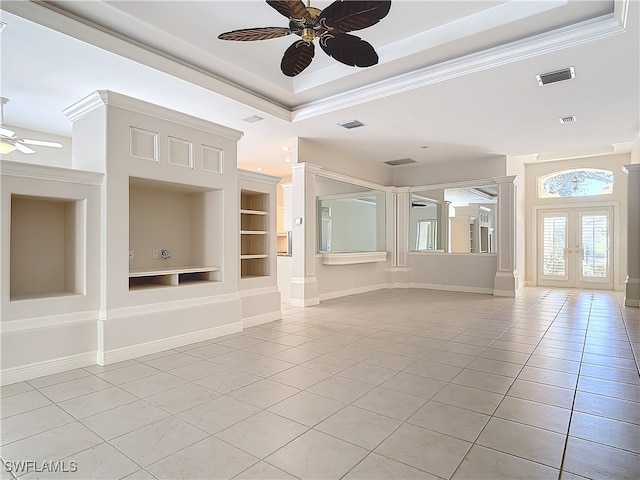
{"x":575,"y":248}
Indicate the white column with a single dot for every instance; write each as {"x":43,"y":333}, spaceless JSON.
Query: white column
{"x":632,"y":284}
{"x":505,"y":283}
{"x":304,"y":285}
{"x":398,"y":274}
{"x":444,"y":226}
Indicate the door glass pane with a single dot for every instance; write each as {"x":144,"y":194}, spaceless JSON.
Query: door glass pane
{"x":595,"y":245}
{"x":554,"y":242}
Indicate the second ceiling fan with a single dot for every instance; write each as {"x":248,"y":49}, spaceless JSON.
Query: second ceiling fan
{"x":330,"y":26}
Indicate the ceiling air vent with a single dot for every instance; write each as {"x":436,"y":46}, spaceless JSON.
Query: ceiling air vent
{"x":252,"y":119}
{"x":570,"y":119}
{"x":557,"y":76}
{"x":401,"y":161}
{"x":351,"y":124}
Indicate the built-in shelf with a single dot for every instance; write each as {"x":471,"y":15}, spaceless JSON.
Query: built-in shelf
{"x":253,"y":234}
{"x":140,"y":278}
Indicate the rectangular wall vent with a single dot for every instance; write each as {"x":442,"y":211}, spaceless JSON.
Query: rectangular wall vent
{"x":557,"y":76}
{"x":570,"y":119}
{"x":401,"y":161}
{"x":351,"y":124}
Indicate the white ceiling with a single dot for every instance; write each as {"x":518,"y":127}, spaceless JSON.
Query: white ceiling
{"x":456,"y":76}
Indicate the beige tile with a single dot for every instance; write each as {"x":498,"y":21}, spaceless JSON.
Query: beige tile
{"x":15,"y":389}
{"x":169,"y":362}
{"x":497,"y":367}
{"x":54,"y":444}
{"x":158,"y":440}
{"x":329,"y":364}
{"x":362,"y":427}
{"x":470,"y":398}
{"x":74,"y":388}
{"x":414,"y":385}
{"x":483,"y":381}
{"x":207,"y":459}
{"x":377,"y":467}
{"x":228,"y":380}
{"x":153,"y":384}
{"x":295,"y":355}
{"x":262,"y":433}
{"x":300,"y":377}
{"x":99,"y":462}
{"x":366,"y":373}
{"x":438,"y":371}
{"x":531,"y":443}
{"x":538,"y":392}
{"x":483,"y":463}
{"x":218,"y":414}
{"x":605,"y":430}
{"x":209,"y":351}
{"x":341,"y":389}
{"x":198,"y":370}
{"x":263,"y":471}
{"x":182,"y":398}
{"x":128,"y":374}
{"x":453,"y":421}
{"x":42,"y":382}
{"x":535,"y":414}
{"x":549,"y":377}
{"x":307,"y":408}
{"x":22,"y":402}
{"x":306,"y":456}
{"x":32,"y":422}
{"x":264,"y":393}
{"x":594,"y":460}
{"x":265,"y":367}
{"x":93,"y":403}
{"x":424,"y":449}
{"x":624,"y":391}
{"x":609,"y":407}
{"x":391,"y":403}
{"x":389,"y":360}
{"x":608,"y":373}
{"x":120,"y":420}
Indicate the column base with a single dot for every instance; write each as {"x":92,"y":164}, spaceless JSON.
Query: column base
{"x":398,"y":277}
{"x":505,"y":284}
{"x":632,"y":292}
{"x":304,"y":292}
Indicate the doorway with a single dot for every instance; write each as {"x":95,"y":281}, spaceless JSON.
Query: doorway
{"x":574,"y":247}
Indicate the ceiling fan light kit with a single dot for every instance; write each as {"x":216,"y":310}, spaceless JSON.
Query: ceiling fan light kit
{"x":329,"y":26}
{"x":9,"y":140}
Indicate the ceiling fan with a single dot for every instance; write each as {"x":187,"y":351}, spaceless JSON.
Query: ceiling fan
{"x":9,"y":140}
{"x":330,"y":26}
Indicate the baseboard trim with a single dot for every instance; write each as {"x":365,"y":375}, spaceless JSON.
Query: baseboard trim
{"x":46,"y":367}
{"x":505,"y":293}
{"x":155,"y":346}
{"x":630,"y":302}
{"x":262,"y":318}
{"x":453,"y":288}
{"x":352,"y":291}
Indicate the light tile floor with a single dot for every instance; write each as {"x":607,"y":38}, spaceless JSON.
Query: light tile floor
{"x":390,"y":384}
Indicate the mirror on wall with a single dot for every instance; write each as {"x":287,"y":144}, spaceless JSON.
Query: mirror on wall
{"x":455,"y":220}
{"x":351,"y":218}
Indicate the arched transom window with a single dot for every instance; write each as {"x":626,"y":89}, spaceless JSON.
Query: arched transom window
{"x":577,"y":182}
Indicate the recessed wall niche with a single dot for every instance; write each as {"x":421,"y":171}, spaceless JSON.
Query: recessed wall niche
{"x":47,"y":247}
{"x":174,"y":234}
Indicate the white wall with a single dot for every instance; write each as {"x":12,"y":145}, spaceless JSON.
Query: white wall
{"x":447,"y":172}
{"x":323,"y":155}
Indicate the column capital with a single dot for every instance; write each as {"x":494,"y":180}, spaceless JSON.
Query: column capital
{"x":508,"y":179}
{"x":306,"y":167}
{"x":632,"y":167}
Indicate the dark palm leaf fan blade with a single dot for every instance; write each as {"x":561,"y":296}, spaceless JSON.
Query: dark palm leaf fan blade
{"x":291,"y":9}
{"x":251,"y":34}
{"x":354,"y":15}
{"x":349,"y":49}
{"x":297,"y":57}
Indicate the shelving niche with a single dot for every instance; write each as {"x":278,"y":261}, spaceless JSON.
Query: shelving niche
{"x":46,"y":247}
{"x":170,"y":216}
{"x":253,"y":234}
